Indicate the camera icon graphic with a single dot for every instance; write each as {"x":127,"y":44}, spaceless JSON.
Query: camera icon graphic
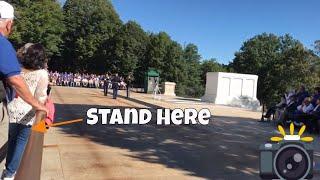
{"x":289,"y":157}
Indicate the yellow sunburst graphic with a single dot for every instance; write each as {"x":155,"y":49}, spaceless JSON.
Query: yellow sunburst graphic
{"x":292,"y":136}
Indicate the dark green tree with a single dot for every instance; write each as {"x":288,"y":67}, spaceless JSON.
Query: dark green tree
{"x":174,"y":68}
{"x":191,"y":58}
{"x":210,"y":65}
{"x":88,"y":23}
{"x":157,"y":49}
{"x":282,"y":63}
{"x":126,"y":50}
{"x":165,"y":55}
{"x":317,"y":46}
{"x":39,"y":22}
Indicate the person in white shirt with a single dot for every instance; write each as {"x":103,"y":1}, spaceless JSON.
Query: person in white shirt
{"x":312,"y":119}
{"x":77,"y":80}
{"x":97,"y":81}
{"x":306,"y":106}
{"x":84,"y":82}
{"x":288,"y":96}
{"x":21,"y":115}
{"x":303,"y":112}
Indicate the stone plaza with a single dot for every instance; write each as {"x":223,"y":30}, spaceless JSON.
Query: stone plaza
{"x":226,"y":148}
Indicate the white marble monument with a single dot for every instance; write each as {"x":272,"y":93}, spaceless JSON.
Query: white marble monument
{"x":232,"y":89}
{"x":169,"y":88}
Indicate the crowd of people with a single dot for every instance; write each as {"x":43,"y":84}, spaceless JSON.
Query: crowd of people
{"x":84,"y":80}
{"x":298,"y":107}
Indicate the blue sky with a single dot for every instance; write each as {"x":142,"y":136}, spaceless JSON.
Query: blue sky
{"x":219,"y":27}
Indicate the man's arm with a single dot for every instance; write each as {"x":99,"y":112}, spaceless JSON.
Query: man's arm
{"x":23,"y":91}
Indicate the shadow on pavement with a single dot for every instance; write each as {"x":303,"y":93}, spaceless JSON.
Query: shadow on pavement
{"x":227,"y":148}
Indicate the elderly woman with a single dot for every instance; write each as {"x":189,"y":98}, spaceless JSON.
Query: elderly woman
{"x":303,"y":112}
{"x":21,"y":115}
{"x":306,"y":106}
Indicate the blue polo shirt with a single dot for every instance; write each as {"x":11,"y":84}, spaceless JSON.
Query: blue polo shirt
{"x":9,"y":64}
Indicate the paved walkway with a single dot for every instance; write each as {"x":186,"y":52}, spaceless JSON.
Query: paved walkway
{"x":227,"y":148}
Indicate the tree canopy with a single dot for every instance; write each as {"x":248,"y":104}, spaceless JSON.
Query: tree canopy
{"x":126,"y":49}
{"x":39,"y":22}
{"x":88,"y":23}
{"x":282,"y":63}
{"x":317,"y":46}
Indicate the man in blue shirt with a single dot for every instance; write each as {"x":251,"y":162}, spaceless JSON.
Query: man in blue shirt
{"x":9,"y":65}
{"x":14,"y":84}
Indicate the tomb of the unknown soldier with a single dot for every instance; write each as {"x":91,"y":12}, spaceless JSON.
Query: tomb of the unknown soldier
{"x":232,"y":89}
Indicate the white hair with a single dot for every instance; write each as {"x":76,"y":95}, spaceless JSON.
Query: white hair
{"x":4,"y":21}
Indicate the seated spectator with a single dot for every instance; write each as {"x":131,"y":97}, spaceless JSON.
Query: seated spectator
{"x":316,"y":96}
{"x":65,"y":79}
{"x":288,"y":95}
{"x":302,"y":94}
{"x":303,"y":111}
{"x":271,"y":111}
{"x":101,"y":81}
{"x":91,"y":83}
{"x":59,"y":81}
{"x":84,"y":82}
{"x":287,"y":116}
{"x":77,"y":80}
{"x":71,"y":79}
{"x":52,"y":80}
{"x":311,"y":119}
{"x":97,"y":82}
{"x":313,"y":124}
{"x":306,"y":106}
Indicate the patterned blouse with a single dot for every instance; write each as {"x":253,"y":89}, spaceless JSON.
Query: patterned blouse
{"x":21,"y":112}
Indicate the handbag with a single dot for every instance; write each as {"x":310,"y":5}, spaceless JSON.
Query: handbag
{"x":50,"y":116}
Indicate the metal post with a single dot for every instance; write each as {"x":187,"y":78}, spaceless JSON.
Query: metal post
{"x":30,"y":165}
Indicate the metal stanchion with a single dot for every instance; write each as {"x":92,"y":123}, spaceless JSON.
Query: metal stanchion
{"x":30,"y":166}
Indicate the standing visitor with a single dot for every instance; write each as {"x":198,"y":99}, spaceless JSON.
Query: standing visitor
{"x":156,"y":89}
{"x":12,"y":82}
{"x":22,"y":115}
{"x":129,"y":80}
{"x":115,"y":85}
{"x":106,"y":84}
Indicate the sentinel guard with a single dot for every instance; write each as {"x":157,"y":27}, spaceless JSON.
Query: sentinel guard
{"x":289,"y":157}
